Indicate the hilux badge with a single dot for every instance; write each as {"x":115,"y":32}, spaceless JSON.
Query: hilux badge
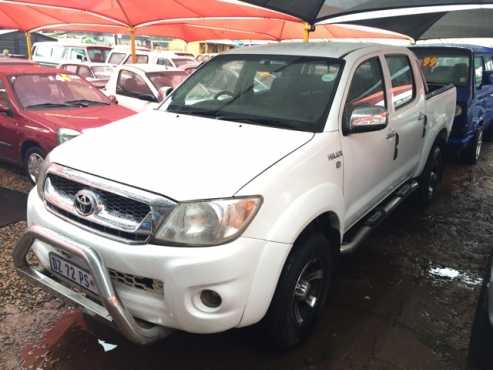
{"x":85,"y":203}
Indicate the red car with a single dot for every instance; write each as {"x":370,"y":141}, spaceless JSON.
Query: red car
{"x":42,"y":107}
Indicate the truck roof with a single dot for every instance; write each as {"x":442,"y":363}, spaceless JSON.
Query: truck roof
{"x":319,"y":49}
{"x":474,"y":48}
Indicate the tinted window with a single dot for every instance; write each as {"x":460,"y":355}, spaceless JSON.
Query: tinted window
{"x":488,"y":62}
{"x":164,"y":62}
{"x":78,"y":54}
{"x":444,"y":67}
{"x":98,"y":55}
{"x":478,"y":71}
{"x":116,"y":58}
{"x":167,"y":79}
{"x":367,"y":86}
{"x":131,"y":84}
{"x":283,"y":91}
{"x":401,"y":74}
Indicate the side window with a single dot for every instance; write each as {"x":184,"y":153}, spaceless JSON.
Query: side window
{"x":478,"y":71}
{"x":164,"y":62}
{"x":367,"y":87}
{"x":131,"y":84}
{"x":84,"y":71}
{"x":72,"y":68}
{"x":488,"y":63}
{"x":141,"y":59}
{"x":401,"y":75}
{"x":43,"y":51}
{"x":58,"y":52}
{"x":116,"y":58}
{"x":78,"y":54}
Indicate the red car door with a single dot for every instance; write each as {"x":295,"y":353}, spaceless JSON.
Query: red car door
{"x":9,"y":130}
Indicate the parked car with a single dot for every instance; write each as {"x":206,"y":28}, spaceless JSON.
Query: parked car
{"x":41,"y":107}
{"x":206,"y":215}
{"x":143,"y":86}
{"x":97,"y":74}
{"x":165,"y":58}
{"x":470,"y":69}
{"x":480,"y":353}
{"x":53,"y":53}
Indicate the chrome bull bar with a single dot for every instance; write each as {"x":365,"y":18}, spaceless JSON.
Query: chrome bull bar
{"x":113,"y":311}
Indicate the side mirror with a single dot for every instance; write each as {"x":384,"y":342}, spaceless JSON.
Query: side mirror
{"x":365,"y":118}
{"x":488,"y":78}
{"x":5,"y":109}
{"x":113,"y":99}
{"x":164,"y":92}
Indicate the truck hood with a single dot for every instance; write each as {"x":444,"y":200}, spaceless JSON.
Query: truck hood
{"x":179,"y":156}
{"x":78,"y":118}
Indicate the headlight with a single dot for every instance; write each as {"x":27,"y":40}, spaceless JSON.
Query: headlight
{"x":42,"y":177}
{"x":66,"y":134}
{"x":207,"y":223}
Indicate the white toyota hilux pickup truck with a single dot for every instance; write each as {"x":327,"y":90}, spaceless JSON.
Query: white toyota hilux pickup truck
{"x":229,"y":205}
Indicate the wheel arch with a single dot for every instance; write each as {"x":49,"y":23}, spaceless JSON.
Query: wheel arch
{"x":26,"y":145}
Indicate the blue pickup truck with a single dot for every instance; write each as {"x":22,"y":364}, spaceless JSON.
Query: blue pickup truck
{"x":470,"y":69}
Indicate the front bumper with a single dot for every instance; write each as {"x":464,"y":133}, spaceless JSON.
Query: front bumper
{"x":244,"y":273}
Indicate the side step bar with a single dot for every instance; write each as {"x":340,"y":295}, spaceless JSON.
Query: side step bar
{"x":377,"y":216}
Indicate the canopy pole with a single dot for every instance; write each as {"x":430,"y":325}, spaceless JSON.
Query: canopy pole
{"x":29,"y":45}
{"x":308,"y":28}
{"x":133,"y":50}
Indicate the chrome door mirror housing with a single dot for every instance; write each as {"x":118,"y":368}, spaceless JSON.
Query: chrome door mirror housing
{"x":365,"y":118}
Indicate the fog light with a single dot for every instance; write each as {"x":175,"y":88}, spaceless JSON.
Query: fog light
{"x":210,"y":298}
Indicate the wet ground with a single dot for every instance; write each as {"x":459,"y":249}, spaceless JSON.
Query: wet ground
{"x":405,"y":301}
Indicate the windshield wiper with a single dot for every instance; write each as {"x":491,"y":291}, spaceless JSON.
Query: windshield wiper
{"x":85,"y":102}
{"x":49,"y":105}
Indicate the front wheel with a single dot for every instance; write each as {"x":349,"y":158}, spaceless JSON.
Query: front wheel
{"x":33,"y":159}
{"x":301,"y":293}
{"x":472,"y":153}
{"x":432,"y":175}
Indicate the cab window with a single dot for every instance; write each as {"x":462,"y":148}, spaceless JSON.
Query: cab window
{"x":141,"y":59}
{"x":116,"y":58}
{"x":78,"y":54}
{"x":478,"y":71}
{"x":367,"y":86}
{"x":132,"y":85}
{"x":164,"y":62}
{"x":401,"y":74}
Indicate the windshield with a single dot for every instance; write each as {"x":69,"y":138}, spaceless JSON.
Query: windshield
{"x":181,"y":62}
{"x":98,"y":54}
{"x":167,"y":79}
{"x":57,"y":90}
{"x":444,"y":66}
{"x":277,"y":91}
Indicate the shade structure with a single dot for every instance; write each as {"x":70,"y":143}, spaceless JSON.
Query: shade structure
{"x":314,"y":11}
{"x":456,"y":24}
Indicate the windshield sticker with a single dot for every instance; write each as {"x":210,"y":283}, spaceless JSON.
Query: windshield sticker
{"x":329,"y":77}
{"x":430,"y":62}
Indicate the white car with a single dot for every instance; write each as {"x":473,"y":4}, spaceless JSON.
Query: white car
{"x":218,"y":213}
{"x":53,"y":53}
{"x":143,"y":86}
{"x":165,"y":58}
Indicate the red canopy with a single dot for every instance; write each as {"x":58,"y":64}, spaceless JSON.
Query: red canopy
{"x":189,"y":20}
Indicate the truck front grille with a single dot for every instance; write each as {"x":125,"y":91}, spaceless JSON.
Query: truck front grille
{"x":117,"y":211}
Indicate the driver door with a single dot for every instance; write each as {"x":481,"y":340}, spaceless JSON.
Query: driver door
{"x":368,"y":155}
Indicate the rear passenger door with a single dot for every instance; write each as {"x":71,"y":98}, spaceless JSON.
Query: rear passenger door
{"x":407,"y":120}
{"x":484,"y":90}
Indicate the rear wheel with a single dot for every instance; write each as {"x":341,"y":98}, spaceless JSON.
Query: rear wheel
{"x":432,"y":175}
{"x":472,"y":153}
{"x":33,"y":158}
{"x":301,"y":292}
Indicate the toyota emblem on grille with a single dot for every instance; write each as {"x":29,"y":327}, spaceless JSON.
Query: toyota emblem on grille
{"x":85,"y":203}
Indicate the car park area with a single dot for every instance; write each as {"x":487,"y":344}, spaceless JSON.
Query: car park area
{"x":404,"y":301}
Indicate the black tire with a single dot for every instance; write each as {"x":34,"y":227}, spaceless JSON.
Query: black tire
{"x":480,"y":353}
{"x":488,"y":133}
{"x":472,"y":153}
{"x":291,"y":318}
{"x":32,"y":152}
{"x":430,"y":179}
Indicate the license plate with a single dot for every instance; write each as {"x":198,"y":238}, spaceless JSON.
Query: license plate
{"x":72,"y":272}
